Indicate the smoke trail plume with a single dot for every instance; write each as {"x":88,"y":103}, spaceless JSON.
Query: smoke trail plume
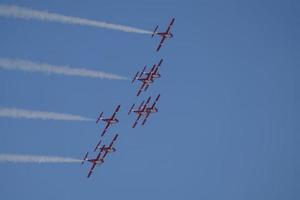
{"x":29,"y":114}
{"x":27,"y":13}
{"x":36,"y":159}
{"x":26,"y":65}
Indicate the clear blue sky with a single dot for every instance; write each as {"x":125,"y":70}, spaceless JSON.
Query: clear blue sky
{"x":228,"y":126}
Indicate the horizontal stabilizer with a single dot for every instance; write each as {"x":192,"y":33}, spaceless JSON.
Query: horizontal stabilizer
{"x":98,"y":119}
{"x":134,"y":77}
{"x":144,"y":69}
{"x":131,"y":109}
{"x":155,"y":31}
{"x":85,"y":157}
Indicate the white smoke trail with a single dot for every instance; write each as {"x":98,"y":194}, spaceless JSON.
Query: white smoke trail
{"x":36,"y":159}
{"x":27,"y":13}
{"x":29,"y":114}
{"x":26,"y":65}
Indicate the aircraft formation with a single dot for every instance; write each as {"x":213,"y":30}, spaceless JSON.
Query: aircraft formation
{"x":143,"y":111}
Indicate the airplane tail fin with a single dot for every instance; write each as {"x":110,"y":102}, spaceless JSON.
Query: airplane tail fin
{"x":85,"y":157}
{"x":98,"y":119}
{"x":155,"y":31}
{"x":131,"y":109}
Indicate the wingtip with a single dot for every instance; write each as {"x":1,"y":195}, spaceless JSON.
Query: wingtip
{"x":160,"y":62}
{"x":103,"y":133}
{"x":158,"y":96}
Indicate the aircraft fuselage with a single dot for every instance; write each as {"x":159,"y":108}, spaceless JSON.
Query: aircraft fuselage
{"x":166,"y":35}
{"x":110,"y":150}
{"x":111,"y":121}
{"x":97,"y":162}
{"x":146,"y":111}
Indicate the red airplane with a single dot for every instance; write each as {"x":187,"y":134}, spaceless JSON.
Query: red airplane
{"x":109,"y":121}
{"x":99,"y":160}
{"x":109,"y":149}
{"x":96,"y":161}
{"x":143,"y":110}
{"x":164,"y":35}
{"x":147,"y":77}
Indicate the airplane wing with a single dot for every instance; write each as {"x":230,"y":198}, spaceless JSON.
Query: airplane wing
{"x":161,"y":43}
{"x":91,"y":170}
{"x":117,"y":110}
{"x":97,"y":145}
{"x":139,"y":108}
{"x":157,"y":66}
{"x":157,"y":98}
{"x":105,"y":154}
{"x":148,"y":100}
{"x":170,"y":25}
{"x":153,"y":69}
{"x":136,"y":121}
{"x":146,"y":87}
{"x":142,"y":87}
{"x":155,"y":101}
{"x":161,"y":60}
{"x":146,"y":118}
{"x":112,"y":142}
{"x":105,"y":129}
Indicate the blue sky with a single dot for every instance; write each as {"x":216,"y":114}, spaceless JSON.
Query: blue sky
{"x":229,"y":110}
